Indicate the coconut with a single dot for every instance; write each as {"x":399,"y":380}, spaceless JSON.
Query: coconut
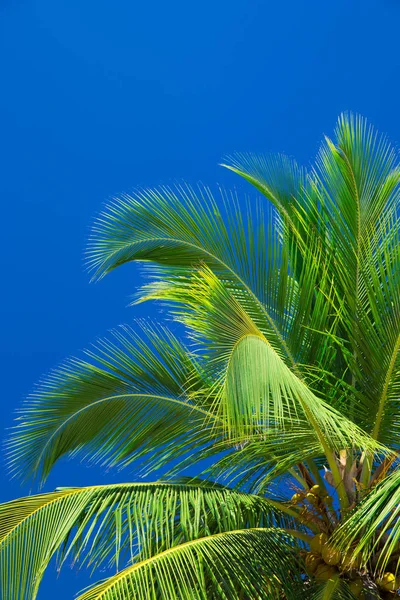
{"x":388,"y":582}
{"x":312,"y":498}
{"x":318,"y":542}
{"x":312,"y":562}
{"x":316,"y":490}
{"x":324,"y":572}
{"x":296,"y":498}
{"x":330,"y":555}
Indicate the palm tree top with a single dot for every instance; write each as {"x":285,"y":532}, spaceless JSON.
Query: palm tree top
{"x":287,"y":387}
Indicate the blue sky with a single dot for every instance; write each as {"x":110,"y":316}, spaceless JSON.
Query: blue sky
{"x":99,"y":97}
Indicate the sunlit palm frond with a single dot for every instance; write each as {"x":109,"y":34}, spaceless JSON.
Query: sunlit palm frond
{"x":257,"y":389}
{"x":378,"y":336}
{"x":277,"y":177}
{"x":355,"y":180}
{"x":360,"y":173}
{"x":112,"y":524}
{"x":333,"y":589}
{"x":354,"y":186}
{"x":256,"y":465}
{"x":181,"y":227}
{"x":256,"y":563}
{"x":292,"y":310}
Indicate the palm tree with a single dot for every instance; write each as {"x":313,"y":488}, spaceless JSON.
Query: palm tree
{"x":284,"y":398}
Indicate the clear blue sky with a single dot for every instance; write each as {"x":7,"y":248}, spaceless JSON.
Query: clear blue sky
{"x":99,"y":97}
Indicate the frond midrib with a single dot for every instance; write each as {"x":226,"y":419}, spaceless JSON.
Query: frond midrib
{"x":117,"y":397}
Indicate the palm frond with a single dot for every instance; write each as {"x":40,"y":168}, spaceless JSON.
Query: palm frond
{"x":176,"y":230}
{"x":350,"y":201}
{"x":333,"y":589}
{"x":257,"y":391}
{"x":372,"y":530}
{"x":115,"y":525}
{"x":277,"y":177}
{"x":256,"y":465}
{"x":258,"y":563}
{"x":129,"y":400}
{"x":292,"y":309}
{"x":378,"y":340}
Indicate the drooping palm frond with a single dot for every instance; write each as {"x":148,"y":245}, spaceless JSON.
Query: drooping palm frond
{"x":278,"y":177}
{"x":255,"y":563}
{"x":289,"y":296}
{"x":129,"y":400}
{"x":179,"y":229}
{"x":257,"y":391}
{"x":116,"y":524}
{"x":302,"y":308}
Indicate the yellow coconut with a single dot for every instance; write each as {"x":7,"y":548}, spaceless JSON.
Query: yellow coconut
{"x":388,"y":582}
{"x":324,"y":572}
{"x":330,"y":555}
{"x":296,"y":498}
{"x":316,"y":490}
{"x":312,"y":498}
{"x":312,"y":562}
{"x":318,"y":542}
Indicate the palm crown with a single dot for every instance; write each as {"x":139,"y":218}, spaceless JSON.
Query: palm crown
{"x":287,"y":391}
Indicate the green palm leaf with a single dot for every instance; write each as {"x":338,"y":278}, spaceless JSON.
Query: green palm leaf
{"x":334,"y":589}
{"x":115,"y":524}
{"x":350,"y":200}
{"x":255,"y":562}
{"x":128,"y":401}
{"x":178,"y":229}
{"x":372,"y":531}
{"x":256,"y":465}
{"x":257,"y":390}
{"x":278,"y":177}
{"x":378,"y":341}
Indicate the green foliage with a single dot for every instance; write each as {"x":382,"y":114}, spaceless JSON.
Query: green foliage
{"x":127,"y":400}
{"x":118,"y":523}
{"x":380,"y":541}
{"x":256,"y":563}
{"x":288,"y":387}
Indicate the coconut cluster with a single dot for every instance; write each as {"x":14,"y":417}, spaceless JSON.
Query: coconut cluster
{"x":323,"y":562}
{"x":314,"y":496}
